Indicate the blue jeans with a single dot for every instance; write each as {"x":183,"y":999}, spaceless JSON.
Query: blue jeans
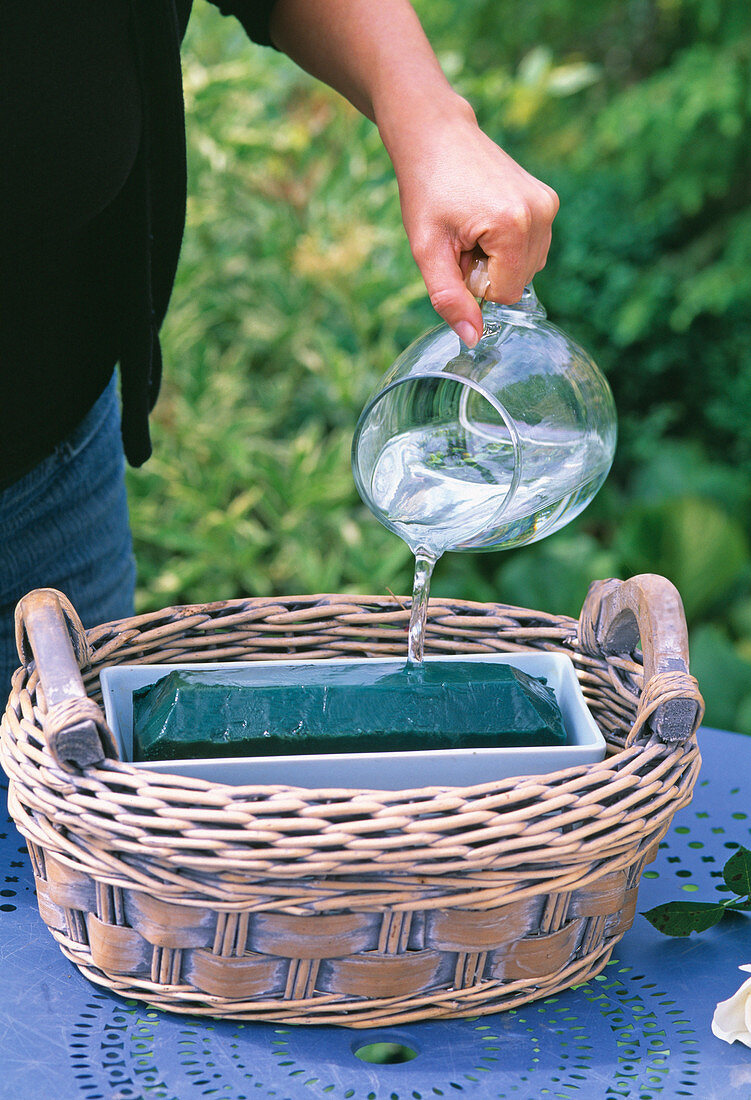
{"x":65,"y":525}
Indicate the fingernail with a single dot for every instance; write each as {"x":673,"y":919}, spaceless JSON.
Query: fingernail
{"x":467,"y":333}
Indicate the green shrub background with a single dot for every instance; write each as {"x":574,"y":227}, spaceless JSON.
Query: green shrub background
{"x":297,"y":290}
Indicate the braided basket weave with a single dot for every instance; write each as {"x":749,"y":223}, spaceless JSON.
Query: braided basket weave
{"x":337,"y":906}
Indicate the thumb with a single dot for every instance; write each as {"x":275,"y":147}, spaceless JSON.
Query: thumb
{"x":449,"y":296}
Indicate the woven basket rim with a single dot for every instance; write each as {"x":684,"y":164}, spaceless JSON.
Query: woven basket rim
{"x":399,"y":605}
{"x":331,"y":601}
{"x":296,"y":831}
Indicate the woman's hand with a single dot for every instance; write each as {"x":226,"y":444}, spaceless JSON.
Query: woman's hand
{"x":460,"y":191}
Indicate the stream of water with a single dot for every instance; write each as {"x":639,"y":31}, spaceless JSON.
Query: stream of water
{"x":424,"y":565}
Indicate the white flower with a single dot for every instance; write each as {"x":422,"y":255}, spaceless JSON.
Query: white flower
{"x":732,"y":1018}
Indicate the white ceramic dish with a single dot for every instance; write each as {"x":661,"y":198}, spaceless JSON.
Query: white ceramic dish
{"x":368,"y":770}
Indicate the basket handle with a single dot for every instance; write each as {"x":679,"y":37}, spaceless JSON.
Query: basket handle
{"x":615,"y":616}
{"x":49,"y":632}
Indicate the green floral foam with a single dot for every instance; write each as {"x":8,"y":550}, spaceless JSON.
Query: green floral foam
{"x":349,"y":708}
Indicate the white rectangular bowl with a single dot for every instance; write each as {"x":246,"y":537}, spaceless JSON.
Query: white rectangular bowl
{"x":371,"y":770}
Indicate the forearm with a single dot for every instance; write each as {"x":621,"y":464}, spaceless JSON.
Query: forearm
{"x":375,"y":53}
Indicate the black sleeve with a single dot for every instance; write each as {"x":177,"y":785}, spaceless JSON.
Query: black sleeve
{"x":254,"y":15}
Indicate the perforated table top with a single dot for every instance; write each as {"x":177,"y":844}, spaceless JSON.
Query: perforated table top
{"x":640,"y":1031}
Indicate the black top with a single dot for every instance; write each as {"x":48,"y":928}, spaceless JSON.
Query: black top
{"x":92,"y":209}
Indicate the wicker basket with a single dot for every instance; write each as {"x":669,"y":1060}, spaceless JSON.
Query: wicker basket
{"x":336,"y":906}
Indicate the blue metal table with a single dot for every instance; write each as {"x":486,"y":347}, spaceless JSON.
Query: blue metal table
{"x":641,"y":1030}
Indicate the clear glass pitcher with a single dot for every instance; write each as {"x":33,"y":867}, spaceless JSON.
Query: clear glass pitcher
{"x":487,"y":447}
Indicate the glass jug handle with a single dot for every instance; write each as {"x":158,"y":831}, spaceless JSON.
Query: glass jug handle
{"x":477,"y":281}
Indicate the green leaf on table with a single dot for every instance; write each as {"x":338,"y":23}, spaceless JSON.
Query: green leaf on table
{"x":680,"y":918}
{"x":737,"y":872}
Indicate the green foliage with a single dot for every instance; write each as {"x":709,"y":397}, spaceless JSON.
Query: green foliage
{"x":724,"y":675}
{"x":296,"y":291}
{"x":698,"y":545}
{"x":681,"y":918}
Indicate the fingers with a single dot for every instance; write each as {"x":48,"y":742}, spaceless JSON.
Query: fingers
{"x":440,"y":268}
{"x":517,"y":242}
{"x":509,"y":268}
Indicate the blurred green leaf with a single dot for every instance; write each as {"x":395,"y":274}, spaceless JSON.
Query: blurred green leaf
{"x":692,"y":541}
{"x":724,"y":678}
{"x":680,"y":468}
{"x":555,"y":575}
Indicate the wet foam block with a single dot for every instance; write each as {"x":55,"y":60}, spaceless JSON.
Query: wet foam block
{"x":321,"y":708}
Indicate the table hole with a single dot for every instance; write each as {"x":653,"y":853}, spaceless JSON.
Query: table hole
{"x":385,"y":1054}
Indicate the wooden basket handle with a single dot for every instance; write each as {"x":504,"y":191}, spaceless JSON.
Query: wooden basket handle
{"x":618,"y":614}
{"x":49,"y":632}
